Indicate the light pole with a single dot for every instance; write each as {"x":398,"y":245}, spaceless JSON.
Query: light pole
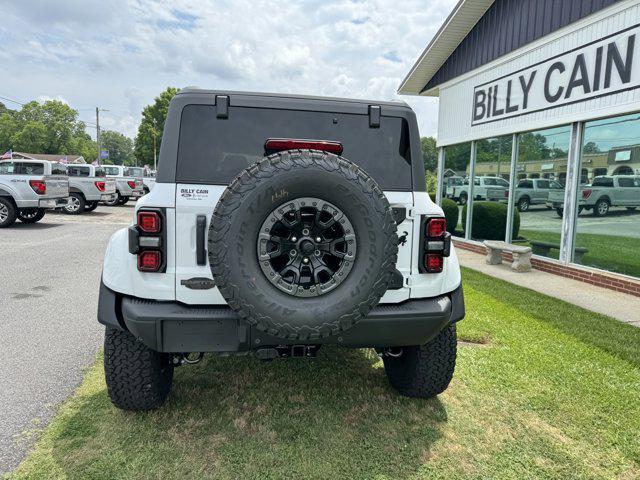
{"x":98,"y":110}
{"x":153,"y":131}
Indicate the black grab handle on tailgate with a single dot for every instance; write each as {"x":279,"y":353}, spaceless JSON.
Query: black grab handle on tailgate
{"x":201,"y":253}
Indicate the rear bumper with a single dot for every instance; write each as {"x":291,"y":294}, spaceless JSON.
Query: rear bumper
{"x":176,"y":327}
{"x":53,"y":202}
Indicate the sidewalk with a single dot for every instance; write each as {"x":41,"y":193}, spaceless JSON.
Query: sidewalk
{"x":618,"y":305}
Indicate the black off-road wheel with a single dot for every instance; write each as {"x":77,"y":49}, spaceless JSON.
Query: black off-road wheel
{"x":138,"y":378}
{"x":123,"y":200}
{"x":31,"y":215}
{"x":423,"y":371}
{"x":302,"y":244}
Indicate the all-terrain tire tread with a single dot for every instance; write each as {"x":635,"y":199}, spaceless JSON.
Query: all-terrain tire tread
{"x":232,"y":199}
{"x":134,"y":373}
{"x":427,"y":370}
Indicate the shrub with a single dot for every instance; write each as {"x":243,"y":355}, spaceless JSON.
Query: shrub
{"x":450,"y":214}
{"x":432,"y":196}
{"x":490,"y":220}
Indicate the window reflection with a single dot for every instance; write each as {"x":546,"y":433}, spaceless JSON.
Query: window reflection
{"x":608,"y":229}
{"x":455,"y":184}
{"x":541,"y":169}
{"x":491,"y":188}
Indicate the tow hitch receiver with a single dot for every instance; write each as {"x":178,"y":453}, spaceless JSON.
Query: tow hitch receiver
{"x":287,"y":351}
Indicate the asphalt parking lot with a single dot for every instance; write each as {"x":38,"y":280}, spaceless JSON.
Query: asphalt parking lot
{"x":49,"y":279}
{"x":617,"y":221}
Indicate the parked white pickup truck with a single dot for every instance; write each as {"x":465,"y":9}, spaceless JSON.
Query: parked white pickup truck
{"x":480,"y":185}
{"x":535,"y":191}
{"x":148,"y":180}
{"x":28,"y":187}
{"x":88,"y":185}
{"x":127,"y":186}
{"x":602,"y":194}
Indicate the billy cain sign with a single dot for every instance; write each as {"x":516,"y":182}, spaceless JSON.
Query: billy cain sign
{"x":600,"y":68}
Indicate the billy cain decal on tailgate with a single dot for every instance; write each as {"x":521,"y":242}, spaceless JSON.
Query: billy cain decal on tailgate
{"x":600,"y":68}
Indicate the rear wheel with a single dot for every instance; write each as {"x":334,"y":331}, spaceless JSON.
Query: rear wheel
{"x":91,"y":206}
{"x":601,"y":208}
{"x":523,"y":204}
{"x":8,"y":213}
{"x":632,"y":209}
{"x":114,"y":200}
{"x":31,"y":215}
{"x":463,"y":199}
{"x":123,"y":200}
{"x":76,"y":204}
{"x":137,"y":377}
{"x":423,"y":371}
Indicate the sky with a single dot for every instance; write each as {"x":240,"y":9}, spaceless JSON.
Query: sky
{"x":120,"y":54}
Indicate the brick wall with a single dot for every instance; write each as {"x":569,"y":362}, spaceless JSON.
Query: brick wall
{"x":594,"y":277}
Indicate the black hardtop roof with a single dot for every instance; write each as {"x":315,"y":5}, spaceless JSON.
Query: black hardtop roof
{"x":286,"y":96}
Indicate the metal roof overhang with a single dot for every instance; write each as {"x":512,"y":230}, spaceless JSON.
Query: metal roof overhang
{"x":454,"y":29}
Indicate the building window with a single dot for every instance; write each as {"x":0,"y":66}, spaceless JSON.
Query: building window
{"x":455,"y":181}
{"x":493,"y":163}
{"x":539,"y":199}
{"x":608,"y":227}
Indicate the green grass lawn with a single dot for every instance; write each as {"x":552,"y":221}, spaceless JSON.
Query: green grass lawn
{"x":553,"y":392}
{"x":609,"y":252}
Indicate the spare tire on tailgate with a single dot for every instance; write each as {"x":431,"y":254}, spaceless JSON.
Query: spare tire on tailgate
{"x":302,"y":244}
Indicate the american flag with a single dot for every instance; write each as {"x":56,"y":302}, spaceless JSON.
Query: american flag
{"x":7,"y":156}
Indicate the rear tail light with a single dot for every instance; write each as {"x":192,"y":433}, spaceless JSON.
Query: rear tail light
{"x":147,"y":240}
{"x":131,"y":183}
{"x":38,"y":186}
{"x":100,"y":186}
{"x":436,"y":227}
{"x":149,"y":222}
{"x":586,"y":193}
{"x":436,"y":245}
{"x":434,"y":262}
{"x":280,"y":144}
{"x":149,"y":261}
{"x":506,"y":194}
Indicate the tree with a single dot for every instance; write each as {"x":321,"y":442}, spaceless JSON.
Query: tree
{"x":52,"y":127}
{"x":429,"y":154}
{"x":152,"y":125}
{"x":591,"y":147}
{"x":120,"y":148}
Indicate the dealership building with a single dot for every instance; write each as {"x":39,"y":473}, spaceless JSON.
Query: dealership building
{"x":539,"y":110}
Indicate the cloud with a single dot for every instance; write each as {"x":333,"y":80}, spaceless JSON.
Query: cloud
{"x":120,"y":54}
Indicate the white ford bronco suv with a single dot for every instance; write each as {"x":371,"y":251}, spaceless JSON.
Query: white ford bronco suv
{"x":279,"y":224}
{"x":29,"y":187}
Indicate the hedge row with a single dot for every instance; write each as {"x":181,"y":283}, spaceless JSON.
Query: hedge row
{"x":489,"y":218}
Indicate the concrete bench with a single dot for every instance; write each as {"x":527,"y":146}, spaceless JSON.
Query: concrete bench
{"x":521,"y":255}
{"x":543,"y":248}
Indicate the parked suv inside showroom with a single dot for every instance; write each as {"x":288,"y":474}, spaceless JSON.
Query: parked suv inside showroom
{"x":279,"y":224}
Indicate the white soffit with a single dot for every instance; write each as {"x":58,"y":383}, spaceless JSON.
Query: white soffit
{"x":454,"y":29}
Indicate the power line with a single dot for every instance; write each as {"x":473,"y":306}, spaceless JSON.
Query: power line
{"x":13,"y":101}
